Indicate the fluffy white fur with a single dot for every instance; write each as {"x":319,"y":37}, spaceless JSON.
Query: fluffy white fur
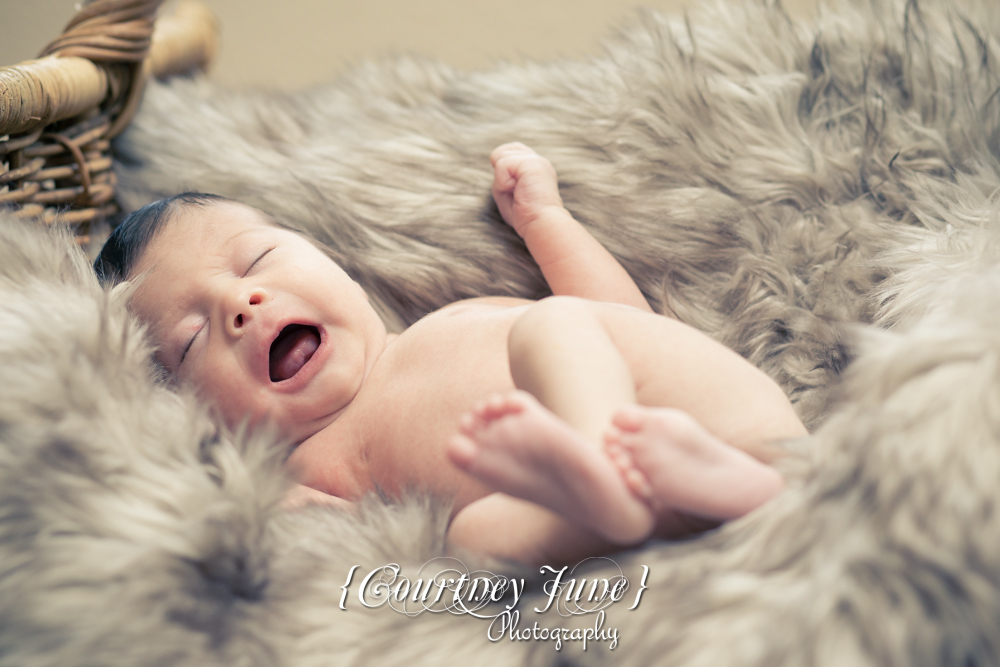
{"x":820,"y":197}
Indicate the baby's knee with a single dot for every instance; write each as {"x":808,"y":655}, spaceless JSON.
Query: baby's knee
{"x":554,"y":311}
{"x":546,"y":320}
{"x":547,"y":323}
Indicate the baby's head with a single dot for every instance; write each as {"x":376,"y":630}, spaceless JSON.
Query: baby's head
{"x":256,"y":317}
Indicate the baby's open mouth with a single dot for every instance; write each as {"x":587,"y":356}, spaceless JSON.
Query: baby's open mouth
{"x":290,"y":351}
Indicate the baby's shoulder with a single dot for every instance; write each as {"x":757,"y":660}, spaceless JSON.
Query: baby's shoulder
{"x":453,"y":329}
{"x":484,"y":312}
{"x":485,"y":303}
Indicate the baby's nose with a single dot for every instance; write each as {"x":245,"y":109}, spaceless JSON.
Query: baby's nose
{"x":242,"y":309}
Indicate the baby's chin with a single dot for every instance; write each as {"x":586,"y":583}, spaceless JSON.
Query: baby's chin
{"x":297,"y":431}
{"x":282,"y":428}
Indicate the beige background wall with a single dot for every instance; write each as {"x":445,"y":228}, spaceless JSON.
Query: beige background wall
{"x":295,"y":43}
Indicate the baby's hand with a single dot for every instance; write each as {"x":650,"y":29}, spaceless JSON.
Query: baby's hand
{"x":524,"y":185}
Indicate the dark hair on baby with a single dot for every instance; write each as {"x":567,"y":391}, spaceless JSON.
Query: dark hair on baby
{"x":131,"y":238}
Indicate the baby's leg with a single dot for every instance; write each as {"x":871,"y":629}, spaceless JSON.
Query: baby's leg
{"x":516,"y":445}
{"x":587,"y":361}
{"x":561,"y":354}
{"x":672,"y":462}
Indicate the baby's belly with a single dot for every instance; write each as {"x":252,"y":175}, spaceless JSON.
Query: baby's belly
{"x":410,"y":405}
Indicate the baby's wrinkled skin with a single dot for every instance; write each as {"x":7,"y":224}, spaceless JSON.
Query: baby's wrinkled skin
{"x":219,"y":283}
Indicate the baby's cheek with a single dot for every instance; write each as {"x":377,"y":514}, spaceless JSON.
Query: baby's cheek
{"x":231,"y":398}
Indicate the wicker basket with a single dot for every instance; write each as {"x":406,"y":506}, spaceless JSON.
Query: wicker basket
{"x":59,"y":113}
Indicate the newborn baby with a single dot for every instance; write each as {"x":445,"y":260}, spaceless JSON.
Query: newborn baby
{"x":559,"y":427}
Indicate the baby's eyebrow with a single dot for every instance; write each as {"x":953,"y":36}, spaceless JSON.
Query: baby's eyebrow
{"x":243,"y":232}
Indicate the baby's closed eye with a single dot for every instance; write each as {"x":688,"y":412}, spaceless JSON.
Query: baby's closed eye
{"x":256,"y":261}
{"x":187,"y":347}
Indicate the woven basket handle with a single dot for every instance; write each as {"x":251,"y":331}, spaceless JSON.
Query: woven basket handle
{"x":101,"y":59}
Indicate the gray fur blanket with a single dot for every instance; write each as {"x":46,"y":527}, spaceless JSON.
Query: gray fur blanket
{"x":820,"y":197}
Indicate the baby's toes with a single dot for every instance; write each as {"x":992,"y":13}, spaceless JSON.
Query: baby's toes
{"x":462,"y":451}
{"x":492,"y":408}
{"x":624,"y":447}
{"x":480,"y":407}
{"x":629,"y":418}
{"x":638,"y":484}
{"x":489,"y":408}
{"x":619,"y":457}
{"x":631,"y":442}
{"x":467,"y":423}
{"x":636,"y":481}
{"x":517,"y":402}
{"x":472,"y":423}
{"x":496,"y":406}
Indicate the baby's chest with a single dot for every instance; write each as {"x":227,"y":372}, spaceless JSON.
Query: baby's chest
{"x":433,"y":373}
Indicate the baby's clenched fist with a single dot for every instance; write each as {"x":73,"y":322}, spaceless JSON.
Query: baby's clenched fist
{"x":524,"y":185}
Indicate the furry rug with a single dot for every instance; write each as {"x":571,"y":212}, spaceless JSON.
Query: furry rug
{"x":820,"y":197}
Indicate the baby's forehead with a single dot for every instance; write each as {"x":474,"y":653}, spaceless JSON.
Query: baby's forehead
{"x":214,"y":226}
{"x":195,"y":242}
{"x":199,"y":236}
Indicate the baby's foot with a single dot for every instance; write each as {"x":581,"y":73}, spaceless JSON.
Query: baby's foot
{"x":519,"y":447}
{"x":671,"y":461}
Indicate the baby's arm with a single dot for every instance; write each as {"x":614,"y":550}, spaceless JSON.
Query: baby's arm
{"x":572,"y":261}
